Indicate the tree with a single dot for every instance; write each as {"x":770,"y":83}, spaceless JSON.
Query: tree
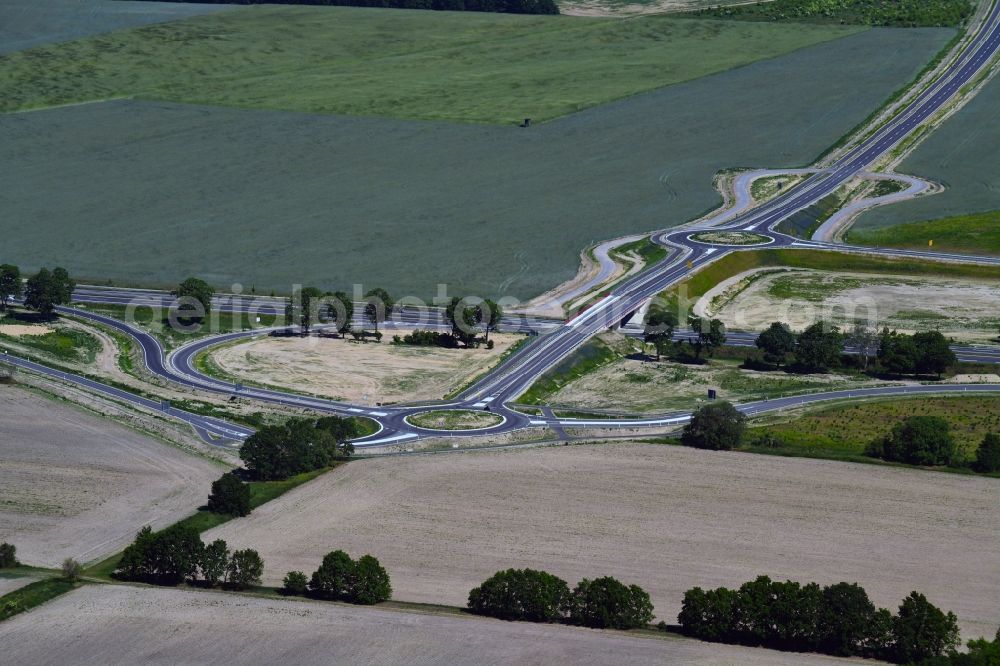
{"x":334,"y":577}
{"x":818,"y":348}
{"x":846,"y":620}
{"x":921,"y":631}
{"x":865,"y":341}
{"x":776,"y":341}
{"x":934,"y":354}
{"x":490,"y":314}
{"x":897,"y":353}
{"x":987,"y":457}
{"x":379,"y":306}
{"x":370,"y":584}
{"x":607,"y":603}
{"x":303,"y":308}
{"x":194,"y":298}
{"x":10,"y":284}
{"x":71,"y":569}
{"x":522,"y":594}
{"x":918,"y":440}
{"x":296,"y":446}
{"x":168,"y":557}
{"x":46,"y":290}
{"x":708,"y":614}
{"x":8,"y":555}
{"x":214,"y":562}
{"x":463,"y":319}
{"x":711,"y":334}
{"x":229,"y":496}
{"x":295,"y":584}
{"x":658,"y":328}
{"x":339,"y":309}
{"x":718,"y":426}
{"x":245,"y":569}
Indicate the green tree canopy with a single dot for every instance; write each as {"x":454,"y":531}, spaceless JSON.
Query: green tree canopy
{"x":918,"y":440}
{"x":819,"y":347}
{"x":658,"y":328}
{"x":921,"y":630}
{"x":11,"y":285}
{"x":522,"y":594}
{"x":776,"y":341}
{"x":194,"y":298}
{"x":607,"y":603}
{"x":988,"y":454}
{"x":229,"y":496}
{"x":46,"y":290}
{"x":378,"y":306}
{"x":296,"y":446}
{"x":718,"y":426}
{"x":214,"y":562}
{"x":245,"y":569}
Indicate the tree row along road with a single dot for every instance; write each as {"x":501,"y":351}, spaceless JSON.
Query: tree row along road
{"x":513,"y":377}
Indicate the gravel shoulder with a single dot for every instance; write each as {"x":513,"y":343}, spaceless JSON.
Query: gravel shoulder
{"x":121,"y":624}
{"x":666,"y":518}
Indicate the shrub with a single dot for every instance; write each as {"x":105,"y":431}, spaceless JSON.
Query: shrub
{"x":8,"y":555}
{"x":522,"y":594}
{"x":245,"y":569}
{"x":718,"y":426}
{"x":608,"y":603}
{"x":919,"y":440}
{"x":229,"y":496}
{"x":71,"y":569}
{"x":295,"y":584}
{"x":988,"y":455}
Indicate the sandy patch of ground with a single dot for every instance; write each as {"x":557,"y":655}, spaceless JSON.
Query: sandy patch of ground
{"x":121,"y":624}
{"x":975,"y":379}
{"x":76,"y":485}
{"x":961,"y":308}
{"x":10,"y":583}
{"x":360,"y":373}
{"x":666,"y":518}
{"x":24,"y":329}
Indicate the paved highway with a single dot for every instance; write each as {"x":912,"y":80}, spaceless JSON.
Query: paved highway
{"x":510,"y":379}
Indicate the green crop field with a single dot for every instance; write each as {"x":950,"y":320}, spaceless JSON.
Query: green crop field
{"x":151,"y":192}
{"x":962,"y":154}
{"x":28,"y":23}
{"x":470,"y":67}
{"x":969,"y":234}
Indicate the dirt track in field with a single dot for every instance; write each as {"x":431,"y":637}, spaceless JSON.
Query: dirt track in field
{"x":76,"y":485}
{"x":119,"y":624}
{"x":664,"y":517}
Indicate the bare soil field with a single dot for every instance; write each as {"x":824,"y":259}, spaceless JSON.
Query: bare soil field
{"x":76,"y":485}
{"x":357,"y":185}
{"x":28,"y":23}
{"x":121,"y":624}
{"x":965,"y":309}
{"x":666,"y":518}
{"x":362,"y":373}
{"x":24,"y":329}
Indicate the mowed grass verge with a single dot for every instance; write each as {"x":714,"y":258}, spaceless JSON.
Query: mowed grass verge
{"x":970,"y":234}
{"x":484,"y":68}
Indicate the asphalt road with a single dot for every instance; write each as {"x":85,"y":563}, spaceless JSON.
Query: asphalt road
{"x":512,"y":377}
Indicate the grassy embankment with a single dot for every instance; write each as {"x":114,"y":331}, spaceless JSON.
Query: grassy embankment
{"x":966,"y":234}
{"x":32,"y":595}
{"x":895,"y":13}
{"x":382,"y":63}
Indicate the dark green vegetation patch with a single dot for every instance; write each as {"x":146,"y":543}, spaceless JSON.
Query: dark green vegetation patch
{"x":402,"y":64}
{"x":896,"y":13}
{"x":152,"y":192}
